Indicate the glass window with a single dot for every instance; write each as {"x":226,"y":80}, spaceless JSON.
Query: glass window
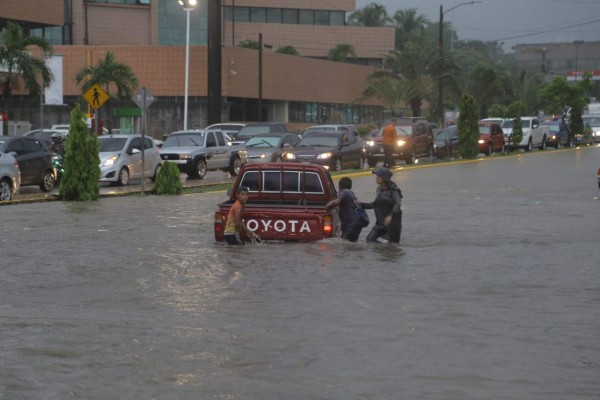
{"x":274,"y":15}
{"x":271,"y":181}
{"x":220,"y":139}
{"x":312,"y":183}
{"x":31,"y":146}
{"x":258,"y":14}
{"x":290,"y":16}
{"x":250,"y":180}
{"x":291,"y":181}
{"x":210,"y":140}
{"x":306,"y":17}
{"x":321,"y":17}
{"x":227,"y":13}
{"x":337,"y":18}
{"x":242,"y":14}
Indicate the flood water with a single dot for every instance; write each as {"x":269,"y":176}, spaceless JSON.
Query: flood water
{"x":496,"y":295}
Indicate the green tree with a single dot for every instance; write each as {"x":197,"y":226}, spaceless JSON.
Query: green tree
{"x":81,"y":179}
{"x":116,"y":78}
{"x":291,"y":50}
{"x":342,"y":52}
{"x":18,"y":62}
{"x":168,"y":181}
{"x":370,"y":15}
{"x":560,"y":97}
{"x":386,"y":87}
{"x":409,"y":26}
{"x":517,"y":132}
{"x":468,"y":130}
{"x":249,"y":44}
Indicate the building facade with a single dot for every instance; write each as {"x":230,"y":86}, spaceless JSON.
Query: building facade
{"x":150,"y":37}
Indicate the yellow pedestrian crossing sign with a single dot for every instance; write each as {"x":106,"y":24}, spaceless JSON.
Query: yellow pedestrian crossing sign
{"x":96,"y":96}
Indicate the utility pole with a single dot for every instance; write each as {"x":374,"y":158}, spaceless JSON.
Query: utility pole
{"x":213,"y":107}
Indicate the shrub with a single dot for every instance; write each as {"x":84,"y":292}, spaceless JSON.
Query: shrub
{"x":468,"y":130}
{"x":167,"y":181}
{"x":81,"y":179}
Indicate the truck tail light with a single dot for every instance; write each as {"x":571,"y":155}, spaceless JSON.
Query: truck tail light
{"x":327,"y":225}
{"x":219,"y":222}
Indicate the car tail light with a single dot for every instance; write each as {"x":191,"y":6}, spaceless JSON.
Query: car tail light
{"x":219,"y":223}
{"x":327,"y":225}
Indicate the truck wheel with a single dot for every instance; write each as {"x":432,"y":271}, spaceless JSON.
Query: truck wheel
{"x":543,"y":145}
{"x":372,"y":162}
{"x":337,"y":165}
{"x":529,"y":146}
{"x":156,"y":171}
{"x":413,"y":158}
{"x":47,"y":181}
{"x":6,"y":190}
{"x":198,"y":170}
{"x":235,"y":166}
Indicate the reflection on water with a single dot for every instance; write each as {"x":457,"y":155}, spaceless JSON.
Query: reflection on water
{"x":132,"y":298}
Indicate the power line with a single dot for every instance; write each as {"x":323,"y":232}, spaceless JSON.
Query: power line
{"x":548,"y":30}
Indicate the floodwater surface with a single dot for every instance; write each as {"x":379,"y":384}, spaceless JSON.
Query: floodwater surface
{"x":494,"y":294}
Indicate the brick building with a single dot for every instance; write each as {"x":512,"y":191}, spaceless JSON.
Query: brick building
{"x":150,"y":35}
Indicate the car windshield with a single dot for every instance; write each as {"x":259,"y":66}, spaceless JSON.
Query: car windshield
{"x":253,"y":130}
{"x":2,"y":144}
{"x":591,"y":121}
{"x":259,"y":141}
{"x":320,"y":129}
{"x":197,"y":139}
{"x":485,"y":130}
{"x":317,"y":140}
{"x":443,"y":135}
{"x":508,"y":124}
{"x":111,"y":144}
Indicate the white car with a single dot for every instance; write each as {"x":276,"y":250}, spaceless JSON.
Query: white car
{"x":10,"y":177}
{"x":121,"y":158}
{"x":593,"y":122}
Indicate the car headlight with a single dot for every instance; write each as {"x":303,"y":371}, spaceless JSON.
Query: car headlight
{"x":552,"y":137}
{"x":324,"y":156}
{"x":109,"y":162}
{"x":371,"y":143}
{"x":481,"y":141}
{"x":262,"y":156}
{"x":401,"y":143}
{"x":597,"y":133}
{"x":185,"y":156}
{"x":290,"y":156}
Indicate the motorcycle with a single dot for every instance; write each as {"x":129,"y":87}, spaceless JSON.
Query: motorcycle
{"x":59,"y":170}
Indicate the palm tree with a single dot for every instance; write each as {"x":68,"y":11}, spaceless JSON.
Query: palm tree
{"x":19,"y":64}
{"x":409,"y":26}
{"x":342,"y":52}
{"x":110,"y":74}
{"x":371,"y":15}
{"x":386,"y":87}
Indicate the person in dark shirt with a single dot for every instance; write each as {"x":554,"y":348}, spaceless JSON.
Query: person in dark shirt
{"x":388,"y":208}
{"x":346,"y":201}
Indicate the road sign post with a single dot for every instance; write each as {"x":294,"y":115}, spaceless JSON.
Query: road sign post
{"x":143,"y":99}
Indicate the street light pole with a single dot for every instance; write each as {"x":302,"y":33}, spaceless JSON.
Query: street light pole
{"x":188,"y":6}
{"x":441,"y":58}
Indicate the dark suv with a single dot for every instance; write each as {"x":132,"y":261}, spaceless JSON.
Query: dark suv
{"x":257,"y":128}
{"x":414,"y":140}
{"x":34,"y":159}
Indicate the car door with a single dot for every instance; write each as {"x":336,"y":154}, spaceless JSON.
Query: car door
{"x":215,"y":152}
{"x":351,"y":149}
{"x":134,"y":158}
{"x":151,"y":157}
{"x":497,"y":137}
{"x":17,"y":148}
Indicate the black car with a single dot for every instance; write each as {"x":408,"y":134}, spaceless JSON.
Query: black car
{"x":34,"y":159}
{"x":558,"y":134}
{"x":333,"y":150}
{"x":258,"y":128}
{"x":446,"y":142}
{"x":269,"y":147}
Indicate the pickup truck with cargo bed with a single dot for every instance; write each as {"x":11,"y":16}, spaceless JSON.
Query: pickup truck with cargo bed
{"x":286,"y":202}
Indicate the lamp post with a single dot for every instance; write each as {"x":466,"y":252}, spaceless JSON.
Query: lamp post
{"x":188,"y":6}
{"x":577,"y":43}
{"x":441,"y":53}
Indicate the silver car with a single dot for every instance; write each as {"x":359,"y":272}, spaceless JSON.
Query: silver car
{"x":10,"y":177}
{"x":121,"y":158}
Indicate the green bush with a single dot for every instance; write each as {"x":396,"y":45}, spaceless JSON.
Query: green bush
{"x":517,"y":132}
{"x":81,"y":179}
{"x":468,"y":129}
{"x":167,"y":181}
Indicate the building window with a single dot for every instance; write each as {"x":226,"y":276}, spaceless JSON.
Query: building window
{"x":337,"y":18}
{"x":258,"y":14}
{"x":274,"y":15}
{"x":290,"y":16}
{"x":323,"y":113}
{"x":322,"y":18}
{"x":306,"y":17}
{"x":242,"y":14}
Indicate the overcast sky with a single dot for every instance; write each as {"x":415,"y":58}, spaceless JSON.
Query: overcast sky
{"x":510,"y":21}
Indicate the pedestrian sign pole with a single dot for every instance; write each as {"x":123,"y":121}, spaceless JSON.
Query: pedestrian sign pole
{"x":143,"y":99}
{"x":96,"y":97}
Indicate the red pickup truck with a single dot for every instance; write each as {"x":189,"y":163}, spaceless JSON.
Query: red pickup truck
{"x":286,"y":201}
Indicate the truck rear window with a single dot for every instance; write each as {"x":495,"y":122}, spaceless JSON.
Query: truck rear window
{"x":286,"y":182}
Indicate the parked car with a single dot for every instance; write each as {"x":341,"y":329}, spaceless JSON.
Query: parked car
{"x":34,"y":159}
{"x":45,"y":135}
{"x":598,"y":178}
{"x":269,"y":147}
{"x":414,"y":140}
{"x":557,"y":134}
{"x":121,"y":158}
{"x":446,"y":142}
{"x":491,"y":138}
{"x":333,"y":127}
{"x":10,"y":177}
{"x":333,"y":149}
{"x":230,"y":128}
{"x":195,"y":152}
{"x":593,"y":122}
{"x":256,"y":128}
{"x":534,"y":134}
{"x":498,"y":121}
